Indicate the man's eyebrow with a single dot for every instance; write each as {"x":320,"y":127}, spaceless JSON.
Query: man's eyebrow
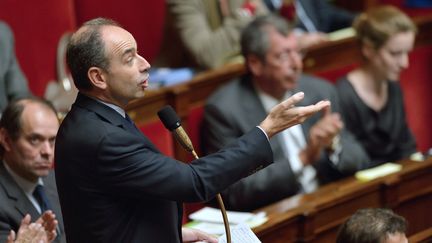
{"x":128,"y":51}
{"x":36,"y":135}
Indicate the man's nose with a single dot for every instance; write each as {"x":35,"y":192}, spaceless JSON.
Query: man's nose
{"x":47,"y":149}
{"x":144,"y":65}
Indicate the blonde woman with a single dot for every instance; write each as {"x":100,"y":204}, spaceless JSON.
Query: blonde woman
{"x":371,"y":98}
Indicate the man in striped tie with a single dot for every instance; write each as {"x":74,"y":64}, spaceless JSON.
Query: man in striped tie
{"x":28,"y":130}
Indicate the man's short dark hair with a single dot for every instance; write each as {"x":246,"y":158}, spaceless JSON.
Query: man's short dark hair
{"x":86,"y":49}
{"x":255,"y":38}
{"x":371,"y":225}
{"x":11,"y":117}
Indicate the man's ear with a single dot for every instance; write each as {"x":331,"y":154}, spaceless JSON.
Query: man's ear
{"x":5,"y":139}
{"x":255,"y":65}
{"x":97,"y":77}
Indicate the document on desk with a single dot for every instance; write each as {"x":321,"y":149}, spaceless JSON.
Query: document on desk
{"x":341,"y":34}
{"x":210,"y":220}
{"x":214,"y":215}
{"x":241,"y":233}
{"x":378,"y":171}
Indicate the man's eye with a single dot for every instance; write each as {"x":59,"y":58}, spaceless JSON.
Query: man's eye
{"x":396,"y":53}
{"x":35,"y":140}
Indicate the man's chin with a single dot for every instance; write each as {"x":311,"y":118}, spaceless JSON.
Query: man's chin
{"x":43,"y":173}
{"x":290,"y":85}
{"x":140,"y":94}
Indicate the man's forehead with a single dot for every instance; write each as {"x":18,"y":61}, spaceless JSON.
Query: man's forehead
{"x":35,"y":114}
{"x":117,"y":38}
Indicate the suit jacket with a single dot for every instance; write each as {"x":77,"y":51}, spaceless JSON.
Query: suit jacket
{"x":15,"y":205}
{"x":13,"y":83}
{"x":198,"y":35}
{"x":325,"y":17}
{"x":115,"y":186}
{"x":235,"y":108}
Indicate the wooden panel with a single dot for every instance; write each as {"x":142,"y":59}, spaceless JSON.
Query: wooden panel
{"x":424,"y":236}
{"x":316,"y":217}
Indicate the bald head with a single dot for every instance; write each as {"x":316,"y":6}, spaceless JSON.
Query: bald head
{"x":87,"y":49}
{"x":27,"y":134}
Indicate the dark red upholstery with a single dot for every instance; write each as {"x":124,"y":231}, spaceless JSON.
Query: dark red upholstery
{"x":416,"y":83}
{"x":38,"y":26}
{"x":160,"y":136}
{"x":144,"y":19}
{"x":194,"y":123}
{"x":335,"y":74}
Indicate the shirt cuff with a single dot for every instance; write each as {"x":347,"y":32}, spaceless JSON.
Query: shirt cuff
{"x":336,"y":150}
{"x":264,"y":133}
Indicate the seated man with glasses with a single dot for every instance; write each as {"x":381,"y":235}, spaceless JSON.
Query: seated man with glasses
{"x":306,"y":155}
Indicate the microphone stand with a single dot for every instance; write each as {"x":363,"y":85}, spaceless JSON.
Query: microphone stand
{"x":172,"y":122}
{"x":222,"y":208}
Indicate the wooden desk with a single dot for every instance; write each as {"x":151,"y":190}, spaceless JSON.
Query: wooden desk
{"x":316,"y":217}
{"x":424,"y":236}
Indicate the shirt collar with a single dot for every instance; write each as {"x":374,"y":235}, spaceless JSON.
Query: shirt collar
{"x":269,"y":101}
{"x":112,"y":106}
{"x":26,"y":185}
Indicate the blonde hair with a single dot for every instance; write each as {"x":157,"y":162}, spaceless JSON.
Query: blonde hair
{"x":377,"y":25}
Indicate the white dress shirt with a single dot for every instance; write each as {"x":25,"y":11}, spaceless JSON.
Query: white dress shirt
{"x":27,"y":186}
{"x":293,"y":143}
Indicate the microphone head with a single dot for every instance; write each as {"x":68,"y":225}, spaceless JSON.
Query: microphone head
{"x":169,"y":118}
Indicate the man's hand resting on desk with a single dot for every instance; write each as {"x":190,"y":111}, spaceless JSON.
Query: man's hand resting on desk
{"x":194,"y":235}
{"x":285,"y":114}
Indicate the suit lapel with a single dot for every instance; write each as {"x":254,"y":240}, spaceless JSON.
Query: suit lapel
{"x":255,"y":113}
{"x":252,"y":106}
{"x":16,"y":195}
{"x":309,"y":99}
{"x":111,"y":116}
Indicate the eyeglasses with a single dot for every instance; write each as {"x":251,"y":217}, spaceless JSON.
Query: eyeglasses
{"x":289,"y":55}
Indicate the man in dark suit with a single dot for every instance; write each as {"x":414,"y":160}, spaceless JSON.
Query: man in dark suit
{"x":313,"y":19}
{"x":306,"y":155}
{"x":114,"y":185}
{"x":27,"y":133}
{"x":323,"y":16}
{"x":13,"y":83}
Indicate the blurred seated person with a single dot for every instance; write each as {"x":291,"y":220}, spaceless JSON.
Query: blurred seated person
{"x":373,"y":225}
{"x":370,"y":96}
{"x":205,"y":34}
{"x":313,"y":19}
{"x":13,"y":83}
{"x":41,"y":231}
{"x":28,"y":130}
{"x":306,"y":155}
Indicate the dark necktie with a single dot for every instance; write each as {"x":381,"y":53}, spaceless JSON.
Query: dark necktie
{"x":41,"y":198}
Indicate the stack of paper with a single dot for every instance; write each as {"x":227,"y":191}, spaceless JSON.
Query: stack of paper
{"x":240,"y":233}
{"x":379,"y":171}
{"x":341,"y":34}
{"x":210,"y":220}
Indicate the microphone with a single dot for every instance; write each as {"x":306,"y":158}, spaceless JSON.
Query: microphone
{"x":172,"y":122}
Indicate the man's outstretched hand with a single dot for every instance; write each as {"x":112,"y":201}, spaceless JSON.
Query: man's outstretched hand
{"x":286,"y":114}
